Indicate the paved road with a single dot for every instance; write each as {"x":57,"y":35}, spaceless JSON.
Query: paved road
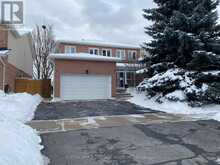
{"x":183,"y":143}
{"x":64,"y":110}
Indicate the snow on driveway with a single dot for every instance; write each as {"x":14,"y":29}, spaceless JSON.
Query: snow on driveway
{"x":203,"y":113}
{"x":20,"y":144}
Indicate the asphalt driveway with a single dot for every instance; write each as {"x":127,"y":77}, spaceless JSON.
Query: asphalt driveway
{"x":183,"y":143}
{"x":65,"y":110}
{"x":147,"y":138}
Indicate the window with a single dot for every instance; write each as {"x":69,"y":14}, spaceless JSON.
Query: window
{"x":70,"y":49}
{"x":94,"y":51}
{"x":107,"y":52}
{"x":129,"y":55}
{"x":132,"y":55}
{"x":120,"y":53}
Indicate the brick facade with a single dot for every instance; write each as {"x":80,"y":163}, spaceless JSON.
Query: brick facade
{"x":85,"y":49}
{"x":80,"y":67}
{"x":125,"y":74}
{"x":1,"y":76}
{"x":11,"y":73}
{"x":3,"y":37}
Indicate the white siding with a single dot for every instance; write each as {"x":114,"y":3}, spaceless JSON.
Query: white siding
{"x":21,"y":54}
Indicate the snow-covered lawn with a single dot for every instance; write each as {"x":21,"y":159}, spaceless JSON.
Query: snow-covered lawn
{"x":19,"y":143}
{"x":205,"y":112}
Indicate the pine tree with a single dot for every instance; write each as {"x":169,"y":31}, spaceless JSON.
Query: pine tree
{"x":183,"y":32}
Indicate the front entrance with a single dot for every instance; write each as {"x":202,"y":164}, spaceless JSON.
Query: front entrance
{"x":120,"y":79}
{"x":125,"y":78}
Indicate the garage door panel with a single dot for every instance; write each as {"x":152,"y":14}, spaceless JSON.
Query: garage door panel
{"x":85,"y":87}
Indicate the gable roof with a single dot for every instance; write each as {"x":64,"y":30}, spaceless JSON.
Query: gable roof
{"x":4,"y":52}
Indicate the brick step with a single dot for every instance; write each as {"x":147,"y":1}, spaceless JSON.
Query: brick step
{"x":124,"y":94}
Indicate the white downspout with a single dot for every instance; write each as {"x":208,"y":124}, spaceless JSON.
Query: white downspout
{"x":4,"y":66}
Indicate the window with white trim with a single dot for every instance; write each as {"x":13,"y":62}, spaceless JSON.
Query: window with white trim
{"x":94,"y":51}
{"x":132,"y":55}
{"x":107,"y":52}
{"x":120,"y":53}
{"x":70,"y":49}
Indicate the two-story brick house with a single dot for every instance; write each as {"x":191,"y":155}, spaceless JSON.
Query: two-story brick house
{"x":129,"y":55}
{"x":93,"y":69}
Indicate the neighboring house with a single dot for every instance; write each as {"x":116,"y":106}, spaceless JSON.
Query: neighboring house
{"x":129,"y":55}
{"x":16,"y":57}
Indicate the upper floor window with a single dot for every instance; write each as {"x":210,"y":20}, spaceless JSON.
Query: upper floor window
{"x":107,"y":52}
{"x":70,"y":49}
{"x":94,"y":51}
{"x":132,"y":55}
{"x":120,"y":53}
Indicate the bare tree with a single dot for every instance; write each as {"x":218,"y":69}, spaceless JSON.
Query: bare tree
{"x":43,"y":44}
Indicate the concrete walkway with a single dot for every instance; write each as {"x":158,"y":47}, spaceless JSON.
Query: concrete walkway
{"x":63,"y":125}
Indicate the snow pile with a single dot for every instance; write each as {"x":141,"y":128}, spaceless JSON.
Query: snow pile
{"x":19,"y":107}
{"x":19,"y":143}
{"x":137,"y":116}
{"x":141,"y":71}
{"x":2,"y":93}
{"x":204,"y":113}
{"x":177,"y":95}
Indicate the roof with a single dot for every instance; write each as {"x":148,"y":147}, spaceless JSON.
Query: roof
{"x":4,"y":52}
{"x":100,"y":43}
{"x":17,"y":32}
{"x":83,"y":56}
{"x":124,"y":65}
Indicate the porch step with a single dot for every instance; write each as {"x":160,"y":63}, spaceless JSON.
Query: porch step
{"x":124,"y":94}
{"x":121,"y":90}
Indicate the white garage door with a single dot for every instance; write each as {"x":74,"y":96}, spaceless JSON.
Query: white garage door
{"x":85,"y":87}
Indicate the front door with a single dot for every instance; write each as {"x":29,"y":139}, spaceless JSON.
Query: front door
{"x":121,"y":79}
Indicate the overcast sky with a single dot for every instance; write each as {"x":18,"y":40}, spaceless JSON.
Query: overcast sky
{"x":109,"y":20}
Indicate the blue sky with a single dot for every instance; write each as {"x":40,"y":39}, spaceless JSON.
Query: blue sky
{"x":109,"y":20}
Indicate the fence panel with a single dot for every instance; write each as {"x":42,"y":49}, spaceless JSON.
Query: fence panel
{"x":41,"y":87}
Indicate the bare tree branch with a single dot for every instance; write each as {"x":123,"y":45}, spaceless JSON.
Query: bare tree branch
{"x":43,"y":44}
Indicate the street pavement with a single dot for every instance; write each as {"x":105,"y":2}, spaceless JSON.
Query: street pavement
{"x":176,"y":143}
